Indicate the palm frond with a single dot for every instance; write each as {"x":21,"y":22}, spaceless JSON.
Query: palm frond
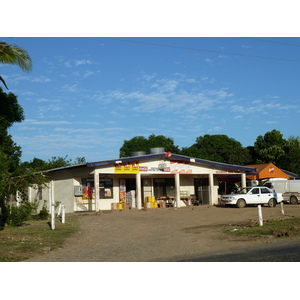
{"x":3,"y":82}
{"x":14,"y":55}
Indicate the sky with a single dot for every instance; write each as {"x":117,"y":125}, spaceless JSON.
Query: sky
{"x":85,"y":96}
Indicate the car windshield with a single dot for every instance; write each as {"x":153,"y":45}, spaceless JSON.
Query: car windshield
{"x":244,"y":190}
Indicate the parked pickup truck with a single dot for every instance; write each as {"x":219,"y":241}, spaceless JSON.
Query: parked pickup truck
{"x":253,"y":195}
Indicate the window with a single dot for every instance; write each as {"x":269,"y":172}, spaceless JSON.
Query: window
{"x":106,"y":189}
{"x":164,"y":187}
{"x":264,"y":191}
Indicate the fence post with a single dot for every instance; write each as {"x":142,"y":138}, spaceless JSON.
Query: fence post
{"x":260,"y":217}
{"x":281,"y":206}
{"x":63,"y":214}
{"x":52,"y":216}
{"x":59,"y":210}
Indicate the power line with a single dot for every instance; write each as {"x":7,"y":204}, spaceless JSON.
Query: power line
{"x":203,"y":50}
{"x":269,"y":41}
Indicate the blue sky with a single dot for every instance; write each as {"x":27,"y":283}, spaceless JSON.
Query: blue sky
{"x":85,"y":96}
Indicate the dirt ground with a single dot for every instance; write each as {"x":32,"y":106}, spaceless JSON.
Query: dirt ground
{"x":160,"y":235}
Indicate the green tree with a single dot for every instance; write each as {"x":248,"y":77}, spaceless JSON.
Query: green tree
{"x":140,"y":143}
{"x":219,"y":148}
{"x":270,"y":148}
{"x":13,"y":177}
{"x":291,"y":160}
{"x":14,"y":55}
{"x":55,"y":162}
{"x":161,"y":141}
{"x":10,"y":112}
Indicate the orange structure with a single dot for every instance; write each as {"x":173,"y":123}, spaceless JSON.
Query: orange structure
{"x":265,"y":171}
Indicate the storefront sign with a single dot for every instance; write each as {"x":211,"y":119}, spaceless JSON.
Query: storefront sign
{"x":127,"y":168}
{"x":180,"y":167}
{"x":104,"y":177}
{"x":143,"y":169}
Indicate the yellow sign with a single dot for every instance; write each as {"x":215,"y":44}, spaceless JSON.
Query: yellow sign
{"x":127,"y":168}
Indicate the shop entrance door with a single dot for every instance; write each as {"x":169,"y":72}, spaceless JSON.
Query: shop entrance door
{"x":128,"y":191}
{"x":202,"y":190}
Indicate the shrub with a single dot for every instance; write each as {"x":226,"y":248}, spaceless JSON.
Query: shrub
{"x":17,"y":215}
{"x":43,"y":214}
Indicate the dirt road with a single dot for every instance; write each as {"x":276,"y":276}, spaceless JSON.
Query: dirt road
{"x":158,"y":235}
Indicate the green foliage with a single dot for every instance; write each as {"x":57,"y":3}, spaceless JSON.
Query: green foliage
{"x":14,"y":55}
{"x":55,"y":162}
{"x":43,"y":214}
{"x":21,"y":243}
{"x":291,"y":159}
{"x":10,"y":110}
{"x":278,"y":228}
{"x":270,"y":148}
{"x":17,"y":215}
{"x":218,"y":148}
{"x":140,"y":143}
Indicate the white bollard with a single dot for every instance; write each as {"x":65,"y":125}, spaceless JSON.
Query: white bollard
{"x":53,"y":217}
{"x":63,"y":214}
{"x":59,"y":210}
{"x":260,"y":217}
{"x":281,"y":206}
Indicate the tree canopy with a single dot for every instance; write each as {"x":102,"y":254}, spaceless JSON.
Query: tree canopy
{"x":140,"y":143}
{"x":220,"y":148}
{"x":38,"y":164}
{"x":270,"y":148}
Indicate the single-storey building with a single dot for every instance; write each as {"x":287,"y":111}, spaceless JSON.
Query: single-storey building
{"x":170,"y":178}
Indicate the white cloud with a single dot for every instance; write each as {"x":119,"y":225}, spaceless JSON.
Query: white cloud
{"x":71,"y":88}
{"x":41,"y":79}
{"x":37,"y":122}
{"x":83,"y":62}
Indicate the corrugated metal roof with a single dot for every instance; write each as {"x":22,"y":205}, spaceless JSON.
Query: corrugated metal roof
{"x":156,"y":156}
{"x":172,"y":157}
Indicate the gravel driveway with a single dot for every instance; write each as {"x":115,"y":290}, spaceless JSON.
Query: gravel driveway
{"x":157,"y":235}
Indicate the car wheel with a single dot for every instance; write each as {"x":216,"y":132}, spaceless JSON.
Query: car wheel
{"x":293,"y":200}
{"x":241,"y":203}
{"x":272,"y":202}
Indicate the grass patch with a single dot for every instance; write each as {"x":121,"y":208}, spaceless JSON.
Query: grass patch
{"x":278,"y":228}
{"x":34,"y":237}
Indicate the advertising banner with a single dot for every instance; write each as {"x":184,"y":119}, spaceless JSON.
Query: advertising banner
{"x":127,"y":168}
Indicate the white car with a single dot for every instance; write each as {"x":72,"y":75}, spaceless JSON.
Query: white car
{"x":253,"y":195}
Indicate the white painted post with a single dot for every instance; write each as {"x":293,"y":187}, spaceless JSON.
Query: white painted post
{"x":138,"y":191}
{"x":53,"y":217}
{"x":97,"y":191}
{"x":59,"y":210}
{"x":211,"y":185}
{"x":260,"y":217}
{"x":243,"y":178}
{"x":63,"y":214}
{"x":177,"y":189}
{"x":281,"y":206}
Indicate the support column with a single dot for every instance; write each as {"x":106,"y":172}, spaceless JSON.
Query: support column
{"x":177,"y":189}
{"x":97,"y":192}
{"x":138,"y":191}
{"x":51,"y":195}
{"x":211,"y":186}
{"x":243,"y":180}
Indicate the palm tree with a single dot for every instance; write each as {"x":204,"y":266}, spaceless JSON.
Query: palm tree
{"x":14,"y":55}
